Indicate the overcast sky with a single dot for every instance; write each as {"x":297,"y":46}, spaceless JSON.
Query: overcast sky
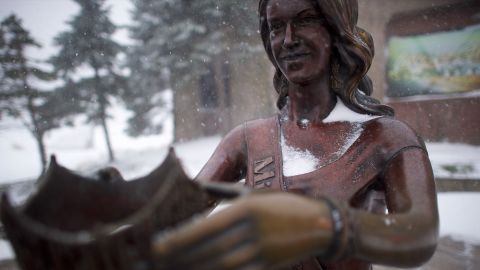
{"x":44,"y":19}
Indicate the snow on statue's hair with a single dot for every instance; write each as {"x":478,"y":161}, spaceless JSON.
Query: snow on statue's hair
{"x":352,"y":51}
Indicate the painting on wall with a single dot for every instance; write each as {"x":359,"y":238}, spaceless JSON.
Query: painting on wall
{"x":437,"y":63}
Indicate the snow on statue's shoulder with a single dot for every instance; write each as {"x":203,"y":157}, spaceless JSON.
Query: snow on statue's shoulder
{"x":342,"y":113}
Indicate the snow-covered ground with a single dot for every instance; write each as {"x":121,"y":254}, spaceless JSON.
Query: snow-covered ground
{"x":82,"y":148}
{"x":454,"y":160}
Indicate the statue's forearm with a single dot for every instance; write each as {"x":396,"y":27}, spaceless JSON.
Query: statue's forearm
{"x":407,"y":236}
{"x":403,"y":240}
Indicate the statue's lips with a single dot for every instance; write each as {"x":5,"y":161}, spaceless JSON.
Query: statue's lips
{"x":294,"y":56}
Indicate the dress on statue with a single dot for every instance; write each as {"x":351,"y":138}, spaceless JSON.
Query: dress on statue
{"x":355,"y":176}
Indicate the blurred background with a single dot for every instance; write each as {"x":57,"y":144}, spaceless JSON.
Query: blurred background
{"x":116,"y":82}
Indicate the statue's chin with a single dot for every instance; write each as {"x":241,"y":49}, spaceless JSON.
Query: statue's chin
{"x":300,"y":79}
{"x":303,"y":75}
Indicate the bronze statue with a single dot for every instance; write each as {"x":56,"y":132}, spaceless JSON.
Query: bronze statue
{"x":368,"y":195}
{"x":337,"y":182}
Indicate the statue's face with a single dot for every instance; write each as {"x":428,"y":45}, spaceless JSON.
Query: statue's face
{"x":300,"y":41}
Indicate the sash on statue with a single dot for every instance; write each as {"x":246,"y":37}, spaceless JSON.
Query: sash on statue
{"x":264,"y":154}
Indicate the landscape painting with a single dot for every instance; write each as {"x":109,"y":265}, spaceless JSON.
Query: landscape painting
{"x":436,"y":63}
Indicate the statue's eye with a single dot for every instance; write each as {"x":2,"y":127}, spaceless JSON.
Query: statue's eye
{"x":276,"y":26}
{"x":308,"y":21}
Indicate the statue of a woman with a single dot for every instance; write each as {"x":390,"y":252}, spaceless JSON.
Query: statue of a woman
{"x":362,"y":181}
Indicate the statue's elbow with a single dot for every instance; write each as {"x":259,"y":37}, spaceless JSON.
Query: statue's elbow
{"x":424,"y":251}
{"x":424,"y":255}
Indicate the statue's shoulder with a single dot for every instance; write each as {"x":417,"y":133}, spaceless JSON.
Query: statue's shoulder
{"x":393,"y":126}
{"x":250,"y":130}
{"x":261,"y":123}
{"x":392,"y":131}
{"x":262,"y":131}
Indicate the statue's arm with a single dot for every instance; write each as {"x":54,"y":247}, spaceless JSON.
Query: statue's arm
{"x":269,"y":230}
{"x":228,"y":162}
{"x":407,"y":236}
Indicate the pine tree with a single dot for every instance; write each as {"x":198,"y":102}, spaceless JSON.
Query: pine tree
{"x":19,"y":76}
{"x":89,"y":44}
{"x":180,"y":38}
{"x":147,"y":62}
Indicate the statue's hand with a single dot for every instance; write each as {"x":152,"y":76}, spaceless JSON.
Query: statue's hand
{"x":258,"y":231}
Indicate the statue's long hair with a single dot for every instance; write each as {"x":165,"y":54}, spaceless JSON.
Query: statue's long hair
{"x":352,"y":54}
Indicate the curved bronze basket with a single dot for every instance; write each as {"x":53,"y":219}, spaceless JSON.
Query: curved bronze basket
{"x":73,"y":222}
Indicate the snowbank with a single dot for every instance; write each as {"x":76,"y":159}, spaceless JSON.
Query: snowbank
{"x":459,"y":216}
{"x":455,"y":160}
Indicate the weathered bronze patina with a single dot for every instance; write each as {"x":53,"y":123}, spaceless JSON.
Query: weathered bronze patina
{"x":373,"y":203}
{"x":74,"y":222}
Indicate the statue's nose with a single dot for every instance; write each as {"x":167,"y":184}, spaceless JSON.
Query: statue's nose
{"x":290,"y":38}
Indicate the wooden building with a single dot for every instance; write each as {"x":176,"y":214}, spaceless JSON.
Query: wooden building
{"x":232,"y":90}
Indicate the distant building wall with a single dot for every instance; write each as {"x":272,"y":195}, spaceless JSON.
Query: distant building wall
{"x":243,"y":90}
{"x":448,"y":117}
{"x":452,"y":119}
{"x":253,"y":95}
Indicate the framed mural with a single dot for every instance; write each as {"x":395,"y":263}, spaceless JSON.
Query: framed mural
{"x":427,"y":55}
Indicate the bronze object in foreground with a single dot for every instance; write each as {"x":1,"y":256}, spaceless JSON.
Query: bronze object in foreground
{"x":72,"y":222}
